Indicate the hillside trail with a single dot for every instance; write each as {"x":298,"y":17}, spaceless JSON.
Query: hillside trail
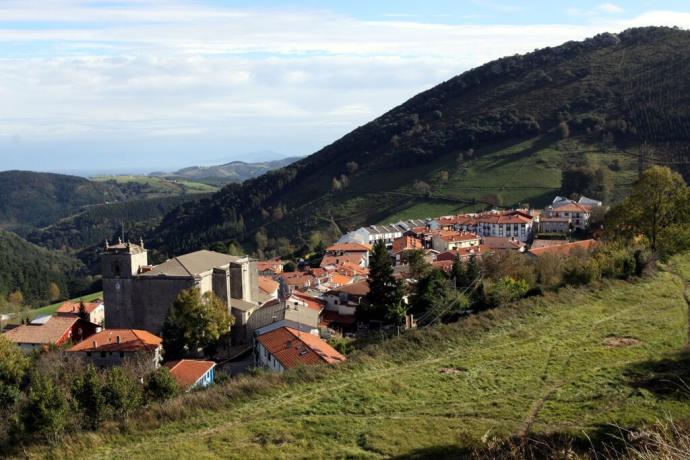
{"x":686,"y":292}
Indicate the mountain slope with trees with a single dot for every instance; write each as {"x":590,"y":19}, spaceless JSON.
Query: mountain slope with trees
{"x":32,"y":200}
{"x":499,"y":134}
{"x":31,"y":270}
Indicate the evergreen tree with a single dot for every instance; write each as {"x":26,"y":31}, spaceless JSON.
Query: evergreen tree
{"x":88,"y":396}
{"x":122,"y":392}
{"x":45,"y":411}
{"x":472,"y":270}
{"x":384,"y":290}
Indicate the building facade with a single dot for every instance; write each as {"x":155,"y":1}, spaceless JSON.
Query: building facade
{"x":138,"y":296}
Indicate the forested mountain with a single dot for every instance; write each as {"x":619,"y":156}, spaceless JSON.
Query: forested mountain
{"x":94,"y":224}
{"x":31,"y":269}
{"x":235,"y":171}
{"x":499,"y":134}
{"x":30,"y":200}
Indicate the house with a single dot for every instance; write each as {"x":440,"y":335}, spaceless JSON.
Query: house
{"x":138,"y":295}
{"x":345,"y":299}
{"x":287,"y":348}
{"x":554,"y":224}
{"x":332,"y":262}
{"x":268,"y":288}
{"x":563,"y":250}
{"x":577,"y":213}
{"x":94,"y":311}
{"x":542,"y":243}
{"x":290,"y":308}
{"x":270,"y":268}
{"x":464,"y":253}
{"x":51,"y":330}
{"x":450,"y":240}
{"x":112,"y":347}
{"x":191,"y":374}
{"x":337,"y":279}
{"x":404,"y":244}
{"x":386,"y":233}
{"x":497,"y":243}
{"x":350,"y":249}
{"x":514,"y":223}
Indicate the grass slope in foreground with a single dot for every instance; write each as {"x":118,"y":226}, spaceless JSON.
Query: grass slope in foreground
{"x":542,"y":365}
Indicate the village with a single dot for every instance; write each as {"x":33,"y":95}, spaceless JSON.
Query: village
{"x":286,"y":315}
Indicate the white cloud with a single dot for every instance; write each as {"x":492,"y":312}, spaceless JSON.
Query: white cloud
{"x":297,"y":77}
{"x":610,"y":8}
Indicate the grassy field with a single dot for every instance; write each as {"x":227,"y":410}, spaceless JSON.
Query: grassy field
{"x":507,"y":174}
{"x":50,"y":309}
{"x":160,"y":185}
{"x":551,"y":364}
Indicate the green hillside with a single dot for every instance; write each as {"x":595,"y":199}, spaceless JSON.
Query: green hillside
{"x":581,"y":363}
{"x":31,"y":269}
{"x":154,"y":187}
{"x":233,"y":172}
{"x":31,"y":200}
{"x":518,"y":122}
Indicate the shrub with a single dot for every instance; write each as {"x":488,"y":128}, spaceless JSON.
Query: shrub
{"x":580,"y":271}
{"x":88,"y":397}
{"x":122,"y":392}
{"x":507,"y":290}
{"x":160,"y":385}
{"x":45,"y":410}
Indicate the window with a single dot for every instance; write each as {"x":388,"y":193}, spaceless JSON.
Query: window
{"x":88,"y":354}
{"x":103,"y":354}
{"x":122,"y":354}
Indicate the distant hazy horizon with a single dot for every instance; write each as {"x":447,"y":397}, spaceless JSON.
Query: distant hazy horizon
{"x":122,"y":85}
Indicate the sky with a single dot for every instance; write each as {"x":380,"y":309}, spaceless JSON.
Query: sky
{"x":134,"y":86}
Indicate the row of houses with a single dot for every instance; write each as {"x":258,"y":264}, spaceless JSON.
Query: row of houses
{"x":562,"y":216}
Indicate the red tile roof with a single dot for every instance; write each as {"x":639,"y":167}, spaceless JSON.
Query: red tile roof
{"x":571,"y":207}
{"x":349,"y":247}
{"x":405,"y":243}
{"x":275,"y":266}
{"x":501,"y":242}
{"x":564,"y":249}
{"x":267,"y":285}
{"x":129,"y":340}
{"x":457,"y":236}
{"x":51,"y":332}
{"x":292,"y":348}
{"x":340,"y":280}
{"x":72,"y":308}
{"x":357,"y":289}
{"x":354,"y":258}
{"x":464,"y":253}
{"x":188,"y":371}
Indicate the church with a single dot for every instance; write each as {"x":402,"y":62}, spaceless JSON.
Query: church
{"x":137,"y":295}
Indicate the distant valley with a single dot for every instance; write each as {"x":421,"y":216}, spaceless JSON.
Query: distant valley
{"x":233,"y":172}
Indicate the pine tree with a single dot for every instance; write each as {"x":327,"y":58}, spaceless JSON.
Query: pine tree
{"x":472,"y":270}
{"x":459,"y":274}
{"x":384,"y":290}
{"x":89,"y":398}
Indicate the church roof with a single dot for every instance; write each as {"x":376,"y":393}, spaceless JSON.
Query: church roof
{"x":191,"y":264}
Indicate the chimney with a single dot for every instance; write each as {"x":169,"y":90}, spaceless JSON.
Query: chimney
{"x":94,"y":344}
{"x":117,"y":339}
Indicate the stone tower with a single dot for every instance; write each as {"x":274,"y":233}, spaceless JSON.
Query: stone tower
{"x":121,"y":262}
